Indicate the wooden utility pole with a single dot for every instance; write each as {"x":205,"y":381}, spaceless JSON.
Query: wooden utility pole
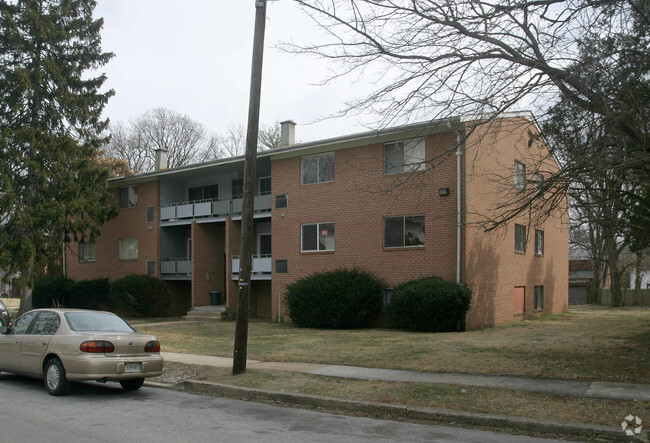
{"x":247,"y":228}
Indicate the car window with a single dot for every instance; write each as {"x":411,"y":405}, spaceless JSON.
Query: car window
{"x":20,"y":326}
{"x":45,"y":324}
{"x":2,"y":306}
{"x":96,"y":322}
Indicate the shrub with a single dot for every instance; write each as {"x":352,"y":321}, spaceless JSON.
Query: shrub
{"x":430,"y":304}
{"x":90,"y":294}
{"x":51,"y":290}
{"x":229,"y":314}
{"x":140,"y":296}
{"x":340,"y":299}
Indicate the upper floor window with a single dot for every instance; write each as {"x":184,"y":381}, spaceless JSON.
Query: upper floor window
{"x":318,"y":237}
{"x":539,"y":181}
{"x":128,"y":196}
{"x":520,"y":238}
{"x":210,"y":192}
{"x":264,"y":186}
{"x":520,"y":175}
{"x":402,"y":232}
{"x":539,"y":242}
{"x":86,"y":252}
{"x":128,"y":248}
{"x":404,"y":156}
{"x":317,"y":168}
{"x":237,"y":188}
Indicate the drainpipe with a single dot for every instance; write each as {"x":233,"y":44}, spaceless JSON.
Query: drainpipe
{"x":459,"y":215}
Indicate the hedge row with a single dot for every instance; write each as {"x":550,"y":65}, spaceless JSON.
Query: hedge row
{"x":131,"y":296}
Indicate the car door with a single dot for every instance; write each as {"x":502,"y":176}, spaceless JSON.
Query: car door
{"x":10,"y":343}
{"x":36,"y":340}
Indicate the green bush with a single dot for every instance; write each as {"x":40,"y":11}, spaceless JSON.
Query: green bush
{"x":140,"y":296}
{"x":229,"y":314}
{"x":430,"y":304}
{"x":90,"y":294}
{"x":51,"y":291}
{"x":340,"y":299}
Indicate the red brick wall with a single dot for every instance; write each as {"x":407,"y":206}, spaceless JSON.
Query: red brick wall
{"x":492,"y":268}
{"x":208,"y":266}
{"x":130,"y":222}
{"x":357,"y":202}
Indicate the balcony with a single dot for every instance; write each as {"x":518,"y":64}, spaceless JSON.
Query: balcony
{"x":262,"y":265}
{"x":175,"y":268}
{"x":211,"y":208}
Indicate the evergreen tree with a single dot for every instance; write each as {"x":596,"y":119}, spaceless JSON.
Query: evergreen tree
{"x":51,"y":186}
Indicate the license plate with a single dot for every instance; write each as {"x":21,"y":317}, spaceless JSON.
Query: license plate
{"x":132,"y":367}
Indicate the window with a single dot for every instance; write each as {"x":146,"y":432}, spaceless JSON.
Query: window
{"x":237,"y":188}
{"x":86,"y":252}
{"x":317,"y":168}
{"x":45,"y":324}
{"x":402,"y":232}
{"x":520,"y":175}
{"x":387,"y":296}
{"x":404,"y":156}
{"x":20,"y":326}
{"x":151,"y":267}
{"x":128,"y":248}
{"x":150,"y":214}
{"x":539,"y":181}
{"x":128,"y":197}
{"x":318,"y":237}
{"x":210,"y":192}
{"x":281,"y":201}
{"x":520,"y":238}
{"x":539,"y":297}
{"x":264,"y":186}
{"x":539,"y":242}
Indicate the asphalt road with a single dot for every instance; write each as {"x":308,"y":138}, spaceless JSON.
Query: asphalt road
{"x":97,"y":413}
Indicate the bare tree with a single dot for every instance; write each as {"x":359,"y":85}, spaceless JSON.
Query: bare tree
{"x":183,"y":138}
{"x":233,"y":143}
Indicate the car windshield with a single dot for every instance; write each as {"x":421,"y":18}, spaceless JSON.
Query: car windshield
{"x":96,"y":322}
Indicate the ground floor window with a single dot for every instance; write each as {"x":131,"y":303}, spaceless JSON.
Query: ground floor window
{"x":402,"y":232}
{"x":128,"y":248}
{"x":86,"y":252}
{"x":539,"y":297}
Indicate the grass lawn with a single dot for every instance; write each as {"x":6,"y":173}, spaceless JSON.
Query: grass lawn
{"x":605,"y":345}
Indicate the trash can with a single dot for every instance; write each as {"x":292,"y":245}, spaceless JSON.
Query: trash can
{"x":215,"y":298}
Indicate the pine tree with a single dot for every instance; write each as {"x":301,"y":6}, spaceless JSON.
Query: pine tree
{"x":51,"y":186}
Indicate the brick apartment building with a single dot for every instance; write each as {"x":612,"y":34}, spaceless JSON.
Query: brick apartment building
{"x":404,"y":203}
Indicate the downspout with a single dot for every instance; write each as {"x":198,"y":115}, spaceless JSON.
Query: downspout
{"x":459,"y":215}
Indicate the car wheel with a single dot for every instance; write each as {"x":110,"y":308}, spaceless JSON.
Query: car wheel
{"x":133,"y":384}
{"x":54,"y":378}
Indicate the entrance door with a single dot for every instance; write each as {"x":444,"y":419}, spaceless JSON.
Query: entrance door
{"x":264,"y":244}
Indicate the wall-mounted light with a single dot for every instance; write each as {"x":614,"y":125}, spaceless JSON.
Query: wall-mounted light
{"x":443,"y":191}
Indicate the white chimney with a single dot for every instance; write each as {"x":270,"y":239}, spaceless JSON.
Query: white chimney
{"x":287,"y":133}
{"x":161,"y":159}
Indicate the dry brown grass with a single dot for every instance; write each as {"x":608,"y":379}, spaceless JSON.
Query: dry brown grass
{"x":606,"y":345}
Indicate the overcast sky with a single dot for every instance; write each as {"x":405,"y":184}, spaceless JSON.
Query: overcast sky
{"x":194,"y":57}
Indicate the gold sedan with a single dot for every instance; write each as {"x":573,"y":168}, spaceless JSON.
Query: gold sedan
{"x":67,"y":345}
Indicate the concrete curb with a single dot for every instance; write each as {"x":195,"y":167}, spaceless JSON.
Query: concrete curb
{"x":433,"y":415}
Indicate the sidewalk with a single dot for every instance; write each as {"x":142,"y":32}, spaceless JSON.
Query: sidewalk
{"x":574,"y":388}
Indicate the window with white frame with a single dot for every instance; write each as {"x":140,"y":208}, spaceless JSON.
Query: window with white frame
{"x":128,"y":197}
{"x":520,"y":238}
{"x":318,"y":237}
{"x":520,"y":175}
{"x":539,"y":242}
{"x":404,"y":156}
{"x":400,"y":232}
{"x":86,"y":252}
{"x":539,"y":297}
{"x":128,"y":248}
{"x":317,"y":168}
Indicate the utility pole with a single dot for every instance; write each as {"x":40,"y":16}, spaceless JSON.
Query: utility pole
{"x":247,"y":233}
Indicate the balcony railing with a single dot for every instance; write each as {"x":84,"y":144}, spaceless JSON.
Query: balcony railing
{"x":212,"y":208}
{"x":175,"y":266}
{"x":261,"y":267}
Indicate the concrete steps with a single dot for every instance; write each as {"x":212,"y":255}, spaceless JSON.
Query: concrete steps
{"x":205,"y":313}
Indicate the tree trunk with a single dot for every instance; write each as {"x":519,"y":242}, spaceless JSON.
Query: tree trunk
{"x":25,"y":300}
{"x":615,"y":273}
{"x":637,"y":278}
